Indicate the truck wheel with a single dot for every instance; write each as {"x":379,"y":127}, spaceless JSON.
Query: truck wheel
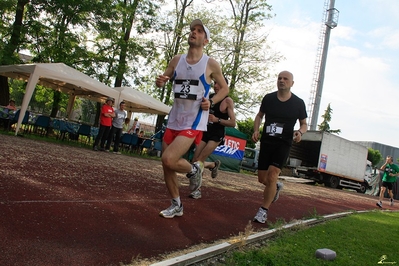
{"x":333,"y":182}
{"x":362,"y":188}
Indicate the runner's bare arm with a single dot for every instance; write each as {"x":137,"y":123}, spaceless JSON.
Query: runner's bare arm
{"x":257,"y":122}
{"x":162,"y":79}
{"x":303,"y":127}
{"x":217,"y":76}
{"x":231,"y":122}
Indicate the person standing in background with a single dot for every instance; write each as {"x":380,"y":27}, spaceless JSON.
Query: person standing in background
{"x":116,"y":130}
{"x":107,"y":113}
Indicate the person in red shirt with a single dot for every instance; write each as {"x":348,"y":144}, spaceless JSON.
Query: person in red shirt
{"x":107,"y":113}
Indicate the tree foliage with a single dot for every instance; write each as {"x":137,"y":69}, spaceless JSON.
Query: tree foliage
{"x":374,"y":156}
{"x":247,"y":127}
{"x":245,"y":54}
{"x":325,"y":126}
{"x":54,"y":36}
{"x":129,"y":42}
{"x":120,"y":43}
{"x":238,"y":42}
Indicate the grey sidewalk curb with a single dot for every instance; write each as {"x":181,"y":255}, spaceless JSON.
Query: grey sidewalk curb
{"x":212,"y":251}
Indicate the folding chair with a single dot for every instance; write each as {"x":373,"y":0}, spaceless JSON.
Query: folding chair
{"x":157,"y":147}
{"x":134,"y":143}
{"x":84,"y":130}
{"x":41,"y":125}
{"x":147,"y":144}
{"x":126,"y":141}
{"x":14,"y":120}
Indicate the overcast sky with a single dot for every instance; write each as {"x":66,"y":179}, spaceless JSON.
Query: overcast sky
{"x":362,"y":72}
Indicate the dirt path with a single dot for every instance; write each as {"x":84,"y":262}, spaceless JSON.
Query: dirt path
{"x":62,"y":205}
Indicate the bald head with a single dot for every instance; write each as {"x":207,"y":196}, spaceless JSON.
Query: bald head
{"x":285,"y":72}
{"x":285,"y":80}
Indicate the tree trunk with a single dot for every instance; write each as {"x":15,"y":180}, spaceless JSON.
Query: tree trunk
{"x":98,"y":113}
{"x":4,"y":91}
{"x":56,"y":103}
{"x":123,"y":53}
{"x":160,"y":122}
{"x":8,"y":55}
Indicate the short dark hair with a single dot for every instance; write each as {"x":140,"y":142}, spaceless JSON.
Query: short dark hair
{"x":11,"y":101}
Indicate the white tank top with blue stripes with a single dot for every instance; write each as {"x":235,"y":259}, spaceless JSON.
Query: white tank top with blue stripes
{"x":189,"y":86}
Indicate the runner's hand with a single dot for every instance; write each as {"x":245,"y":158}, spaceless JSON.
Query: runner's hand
{"x":161,"y":80}
{"x":255,"y":136}
{"x":205,"y":104}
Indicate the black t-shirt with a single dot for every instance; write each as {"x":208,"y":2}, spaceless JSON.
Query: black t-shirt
{"x":281,"y":116}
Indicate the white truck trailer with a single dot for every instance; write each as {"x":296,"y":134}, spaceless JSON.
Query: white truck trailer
{"x":331,"y":160}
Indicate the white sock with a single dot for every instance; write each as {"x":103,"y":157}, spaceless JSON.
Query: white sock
{"x":177,"y":200}
{"x":193,"y":169}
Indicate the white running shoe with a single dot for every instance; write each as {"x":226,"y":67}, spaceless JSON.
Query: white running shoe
{"x":214,"y":170}
{"x":196,"y":179}
{"x":172,"y":211}
{"x":196,"y":194}
{"x":261,"y":216}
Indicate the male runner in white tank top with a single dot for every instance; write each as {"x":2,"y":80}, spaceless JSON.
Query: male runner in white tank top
{"x":192,"y":74}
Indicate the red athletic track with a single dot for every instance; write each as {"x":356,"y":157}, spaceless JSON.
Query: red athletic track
{"x":62,"y":205}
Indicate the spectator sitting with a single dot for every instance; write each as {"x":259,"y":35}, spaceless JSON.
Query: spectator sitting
{"x":11,"y":105}
{"x":135,"y":126}
{"x":140,"y":140}
{"x":141,"y":137}
{"x":125,"y":128}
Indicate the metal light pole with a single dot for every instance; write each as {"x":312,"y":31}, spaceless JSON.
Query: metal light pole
{"x":330,"y":23}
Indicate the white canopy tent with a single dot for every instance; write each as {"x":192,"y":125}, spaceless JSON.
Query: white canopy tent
{"x":68,"y":80}
{"x":60,"y":77}
{"x":140,"y":102}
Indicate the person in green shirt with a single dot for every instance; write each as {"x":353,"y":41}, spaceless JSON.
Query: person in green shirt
{"x":391,"y":171}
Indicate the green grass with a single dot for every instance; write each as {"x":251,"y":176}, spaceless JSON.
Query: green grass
{"x":358,"y":239}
